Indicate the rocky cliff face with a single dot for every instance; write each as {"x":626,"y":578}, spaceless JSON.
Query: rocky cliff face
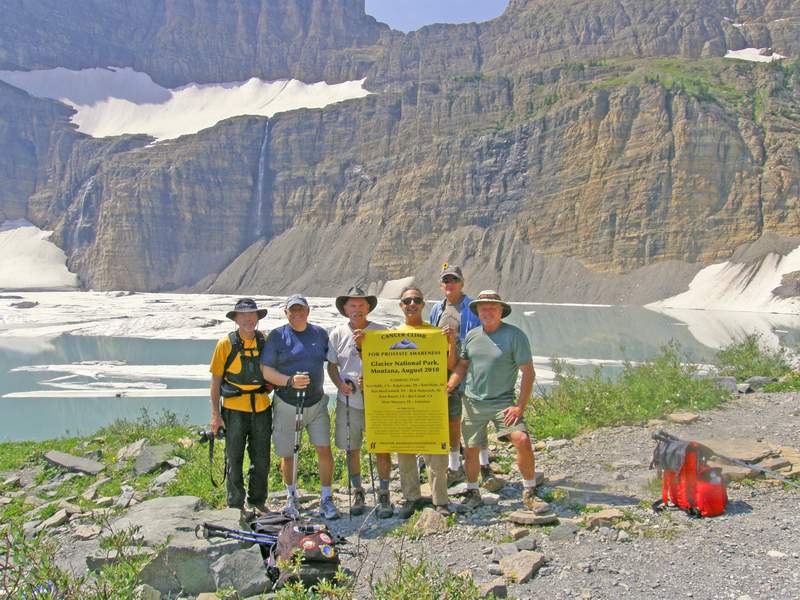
{"x":556,"y":152}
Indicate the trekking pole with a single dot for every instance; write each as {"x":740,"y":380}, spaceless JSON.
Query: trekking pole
{"x":347,"y":459}
{"x":369,"y":454}
{"x":298,"y":430}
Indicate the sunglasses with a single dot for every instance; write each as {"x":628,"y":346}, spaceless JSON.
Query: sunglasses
{"x":450,"y":279}
{"x":415,"y":300}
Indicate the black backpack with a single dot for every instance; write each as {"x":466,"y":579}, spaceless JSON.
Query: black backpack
{"x":314,"y":542}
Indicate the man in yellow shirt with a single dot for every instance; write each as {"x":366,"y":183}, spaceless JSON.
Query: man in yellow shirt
{"x":412,"y":303}
{"x":246,"y":413}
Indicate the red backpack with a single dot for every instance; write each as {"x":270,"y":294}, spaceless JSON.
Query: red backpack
{"x":686,"y":479}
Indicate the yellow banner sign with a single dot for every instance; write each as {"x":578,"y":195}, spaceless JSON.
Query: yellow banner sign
{"x":405,"y":396}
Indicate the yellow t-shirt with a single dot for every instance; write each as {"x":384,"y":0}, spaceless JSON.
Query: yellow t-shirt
{"x":221,"y":352}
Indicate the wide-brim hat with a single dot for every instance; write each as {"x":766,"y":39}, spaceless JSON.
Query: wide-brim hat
{"x":489,"y":296}
{"x":355,"y":292}
{"x":246,"y":305}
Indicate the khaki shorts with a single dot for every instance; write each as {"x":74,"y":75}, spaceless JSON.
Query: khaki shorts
{"x":356,"y":426}
{"x":477,"y":417}
{"x":315,"y":419}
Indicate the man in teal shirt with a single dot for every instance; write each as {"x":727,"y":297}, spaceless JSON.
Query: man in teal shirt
{"x":490,"y":357}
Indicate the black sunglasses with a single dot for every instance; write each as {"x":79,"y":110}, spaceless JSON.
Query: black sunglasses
{"x":450,"y":279}
{"x":414,"y":299}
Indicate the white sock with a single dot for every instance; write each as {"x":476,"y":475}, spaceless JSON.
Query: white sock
{"x":291,"y":489}
{"x":472,"y":486}
{"x":484,"y":457}
{"x":529,"y":483}
{"x":454,"y":460}
{"x":326,"y":491}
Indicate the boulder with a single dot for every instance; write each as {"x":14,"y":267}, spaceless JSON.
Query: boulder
{"x":733,"y":472}
{"x":744,"y":388}
{"x":58,"y":519}
{"x":526,"y":543}
{"x":528,"y":517}
{"x":152,"y":458}
{"x":431,"y":521}
{"x":502,"y":550}
{"x":132,"y":450}
{"x":727,"y":383}
{"x":747,"y":450}
{"x":165,"y":478}
{"x":87,"y":532}
{"x":519,"y":533}
{"x":184,"y":563}
{"x":75,"y":464}
{"x":682,"y":418}
{"x":759,"y":381}
{"x":564,"y":531}
{"x":603,"y":518}
{"x":90,"y":492}
{"x":243,"y":571}
{"x":496,"y":588}
{"x":145,"y":592}
{"x":522,"y":566}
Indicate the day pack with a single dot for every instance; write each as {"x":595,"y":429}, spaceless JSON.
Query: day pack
{"x":313,"y":542}
{"x":687,"y":481}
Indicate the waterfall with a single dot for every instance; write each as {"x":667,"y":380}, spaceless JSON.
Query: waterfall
{"x":262,"y":169}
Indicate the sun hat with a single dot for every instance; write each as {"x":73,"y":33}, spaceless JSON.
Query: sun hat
{"x":246,"y":305}
{"x":355,"y":292}
{"x":490,"y":296}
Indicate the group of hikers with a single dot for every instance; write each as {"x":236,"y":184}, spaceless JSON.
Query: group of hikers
{"x":485,"y":356}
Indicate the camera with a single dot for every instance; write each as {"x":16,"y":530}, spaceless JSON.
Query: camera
{"x":206,"y":436}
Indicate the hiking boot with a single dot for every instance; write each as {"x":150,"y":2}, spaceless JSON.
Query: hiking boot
{"x":457,"y":476}
{"x":409,"y":507}
{"x":291,"y":509}
{"x":489,"y":482}
{"x":533,"y":503}
{"x":359,"y":502}
{"x":472,"y":500}
{"x":442,"y":509}
{"x":327,"y":509}
{"x":385,"y":509}
{"x":257,"y":509}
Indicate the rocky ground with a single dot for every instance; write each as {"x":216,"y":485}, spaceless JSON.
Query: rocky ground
{"x":601,"y":541}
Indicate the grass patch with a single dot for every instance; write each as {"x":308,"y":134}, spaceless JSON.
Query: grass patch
{"x":424,"y":580}
{"x":645,"y":391}
{"x":751,"y":356}
{"x":790,"y":383}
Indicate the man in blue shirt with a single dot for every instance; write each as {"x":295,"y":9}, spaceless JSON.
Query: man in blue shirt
{"x":293,"y":360}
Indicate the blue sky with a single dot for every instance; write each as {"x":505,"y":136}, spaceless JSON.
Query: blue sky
{"x":407,"y":15}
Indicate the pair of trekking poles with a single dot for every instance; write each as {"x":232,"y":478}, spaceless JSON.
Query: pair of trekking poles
{"x":298,"y":434}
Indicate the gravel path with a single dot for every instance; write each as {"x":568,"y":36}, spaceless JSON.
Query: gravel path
{"x":753,"y":551}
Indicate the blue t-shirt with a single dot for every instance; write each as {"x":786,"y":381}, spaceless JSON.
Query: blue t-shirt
{"x":289,"y":351}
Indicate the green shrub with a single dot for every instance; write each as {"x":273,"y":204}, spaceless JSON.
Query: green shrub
{"x":644,"y":391}
{"x":750,"y":357}
{"x":790,"y":383}
{"x":424,"y":580}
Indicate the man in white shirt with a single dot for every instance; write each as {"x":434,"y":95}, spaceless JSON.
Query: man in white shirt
{"x":344,"y":370}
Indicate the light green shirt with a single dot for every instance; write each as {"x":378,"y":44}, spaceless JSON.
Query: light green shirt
{"x":495,"y":359}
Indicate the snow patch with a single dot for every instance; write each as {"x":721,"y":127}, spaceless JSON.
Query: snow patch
{"x":753,"y":55}
{"x":29,"y":260}
{"x":739,"y":287}
{"x":117,"y":101}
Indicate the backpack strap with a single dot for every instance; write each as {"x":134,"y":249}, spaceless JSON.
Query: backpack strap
{"x":236,"y":347}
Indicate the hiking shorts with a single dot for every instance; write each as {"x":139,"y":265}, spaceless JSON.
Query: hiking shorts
{"x":356,"y":426}
{"x":477,"y":417}
{"x":454,"y":408}
{"x":315,"y":419}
